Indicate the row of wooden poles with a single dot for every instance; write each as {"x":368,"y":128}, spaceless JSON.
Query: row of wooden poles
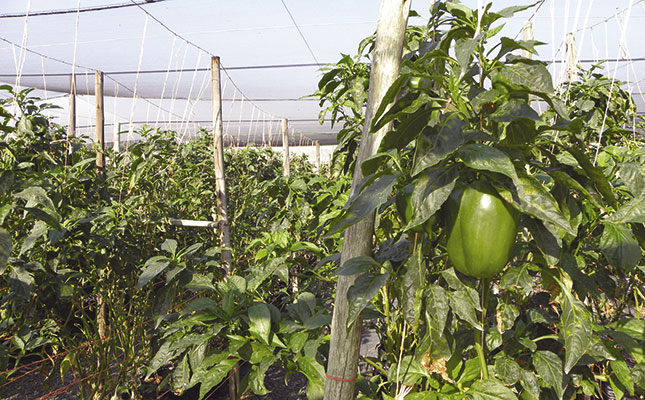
{"x":217,"y":104}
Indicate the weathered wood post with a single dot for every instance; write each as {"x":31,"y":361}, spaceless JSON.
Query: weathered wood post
{"x":285,"y":146}
{"x":100,"y":118}
{"x":218,"y":156}
{"x":71,"y":127}
{"x":317,"y":157}
{"x":342,"y":367}
{"x":220,"y":185}
{"x":527,"y":34}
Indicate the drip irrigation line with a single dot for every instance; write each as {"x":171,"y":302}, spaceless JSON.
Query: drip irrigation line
{"x":74,"y":10}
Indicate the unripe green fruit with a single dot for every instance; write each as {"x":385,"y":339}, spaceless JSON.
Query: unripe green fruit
{"x":482,"y":229}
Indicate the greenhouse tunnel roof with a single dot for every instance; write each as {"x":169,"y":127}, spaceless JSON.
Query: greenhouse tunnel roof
{"x":156,"y":55}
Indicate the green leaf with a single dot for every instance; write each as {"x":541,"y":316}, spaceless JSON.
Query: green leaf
{"x":256,"y":379}
{"x":513,"y":109}
{"x":315,"y":374}
{"x":509,"y":313}
{"x":5,"y":249}
{"x":21,"y":281}
{"x":482,"y":157}
{"x":356,"y":265}
{"x":436,"y":144}
{"x":619,"y":246}
{"x":413,"y":282}
{"x":431,"y":189}
{"x":365,"y":202}
{"x":529,"y":382}
{"x":361,"y":293}
{"x":465,"y":303}
{"x":633,"y":211}
{"x":517,"y":277}
{"x":39,"y":230}
{"x":507,"y":370}
{"x":550,"y":369}
{"x":550,"y":245}
{"x":575,"y":329}
{"x":622,"y":376}
{"x":153,"y":267}
{"x":36,"y":195}
{"x":534,"y":77}
{"x":260,"y":322}
{"x":438,"y":305}
{"x":490,"y":389}
{"x":536,"y":201}
{"x":408,"y":371}
{"x":464,"y":49}
{"x":169,"y":246}
{"x":213,"y":376}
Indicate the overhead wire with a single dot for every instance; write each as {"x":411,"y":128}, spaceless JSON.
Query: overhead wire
{"x":74,"y":10}
{"x":195,"y":46}
{"x":300,"y":32}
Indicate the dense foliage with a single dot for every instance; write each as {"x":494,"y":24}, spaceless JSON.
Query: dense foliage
{"x":97,"y":284}
{"x":565,"y":318}
{"x":100,"y":284}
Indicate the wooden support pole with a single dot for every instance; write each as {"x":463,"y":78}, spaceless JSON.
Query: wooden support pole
{"x":193,"y":223}
{"x":116,"y":142}
{"x":71,"y":127}
{"x":570,"y":46}
{"x":218,"y":157}
{"x":527,"y":35}
{"x":342,"y":367}
{"x":100,"y":118}
{"x":285,"y":146}
{"x":317,"y":155}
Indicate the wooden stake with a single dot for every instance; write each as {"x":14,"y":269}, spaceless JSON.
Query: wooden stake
{"x":100,"y":119}
{"x":527,"y":35}
{"x":116,"y":142}
{"x":342,"y":367}
{"x":285,"y":146}
{"x":71,"y":127}
{"x":317,"y":155}
{"x":218,"y":156}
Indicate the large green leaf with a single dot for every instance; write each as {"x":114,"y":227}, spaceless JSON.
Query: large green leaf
{"x":464,"y":49}
{"x":490,"y":389}
{"x":549,"y":367}
{"x":438,"y":305}
{"x":413,"y":287}
{"x":153,"y":267}
{"x":536,"y":201}
{"x":534,"y":77}
{"x":513,"y":109}
{"x":260,"y":322}
{"x":633,"y":211}
{"x":315,"y":374}
{"x":213,"y":376}
{"x":356,"y":265}
{"x":431,"y":189}
{"x":35,"y":195}
{"x":465,"y":303}
{"x":361,"y":293}
{"x":622,"y":376}
{"x":575,"y":329}
{"x":5,"y":249}
{"x":488,"y":158}
{"x":437,"y":143}
{"x":365,"y":202}
{"x":507,"y":370}
{"x":408,"y":371}
{"x":549,"y":245}
{"x":518,"y":277}
{"x":619,"y":246}
{"x":39,"y":230}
